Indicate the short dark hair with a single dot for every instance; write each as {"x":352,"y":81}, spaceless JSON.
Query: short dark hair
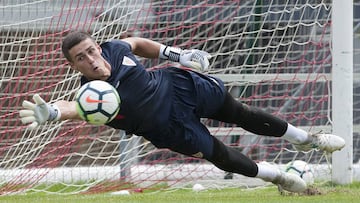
{"x":71,"y":40}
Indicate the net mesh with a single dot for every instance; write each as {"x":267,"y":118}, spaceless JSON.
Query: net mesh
{"x":275,"y":55}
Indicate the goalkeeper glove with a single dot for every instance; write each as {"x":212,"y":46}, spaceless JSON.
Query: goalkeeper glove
{"x":39,"y":112}
{"x":193,"y":58}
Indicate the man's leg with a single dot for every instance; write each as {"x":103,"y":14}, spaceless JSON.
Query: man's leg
{"x":262,"y":123}
{"x":232,"y":160}
{"x":190,"y":137}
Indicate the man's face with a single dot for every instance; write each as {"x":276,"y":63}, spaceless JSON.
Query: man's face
{"x":86,"y":58}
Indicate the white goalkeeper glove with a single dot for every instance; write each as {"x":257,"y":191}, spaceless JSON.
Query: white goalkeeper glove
{"x":192,"y":58}
{"x":39,"y":112}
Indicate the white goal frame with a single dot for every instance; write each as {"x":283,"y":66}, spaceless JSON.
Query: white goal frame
{"x":342,"y":86}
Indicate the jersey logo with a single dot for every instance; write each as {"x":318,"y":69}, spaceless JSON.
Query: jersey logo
{"x":128,"y":61}
{"x":90,"y":100}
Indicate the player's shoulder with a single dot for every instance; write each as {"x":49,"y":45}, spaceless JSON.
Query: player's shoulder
{"x":114,"y":45}
{"x":114,"y":49}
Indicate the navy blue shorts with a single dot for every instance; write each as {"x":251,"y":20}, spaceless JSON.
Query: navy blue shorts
{"x":195,"y":96}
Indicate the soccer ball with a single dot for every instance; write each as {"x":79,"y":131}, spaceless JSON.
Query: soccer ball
{"x":302,"y":169}
{"x":97,"y":102}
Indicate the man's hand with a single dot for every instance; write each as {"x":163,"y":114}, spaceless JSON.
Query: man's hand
{"x":193,"y":58}
{"x":38,"y":113}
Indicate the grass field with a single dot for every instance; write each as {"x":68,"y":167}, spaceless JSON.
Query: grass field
{"x":349,"y":193}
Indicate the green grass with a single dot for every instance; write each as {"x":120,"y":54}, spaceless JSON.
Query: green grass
{"x":328,"y":194}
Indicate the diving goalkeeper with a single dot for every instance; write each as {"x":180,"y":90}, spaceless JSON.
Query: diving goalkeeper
{"x":165,"y":105}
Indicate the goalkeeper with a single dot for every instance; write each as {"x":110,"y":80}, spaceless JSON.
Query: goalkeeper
{"x":165,"y":105}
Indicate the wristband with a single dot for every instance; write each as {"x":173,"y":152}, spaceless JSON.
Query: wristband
{"x":170,"y":53}
{"x":55,"y":113}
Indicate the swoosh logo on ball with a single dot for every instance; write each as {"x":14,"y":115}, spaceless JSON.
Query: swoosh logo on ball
{"x":90,"y":100}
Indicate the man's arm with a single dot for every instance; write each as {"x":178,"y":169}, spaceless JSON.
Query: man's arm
{"x":193,"y":58}
{"x":68,"y":110}
{"x":143,"y":47}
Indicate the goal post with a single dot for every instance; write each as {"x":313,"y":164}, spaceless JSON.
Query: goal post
{"x":342,"y":86}
{"x":277,"y":55}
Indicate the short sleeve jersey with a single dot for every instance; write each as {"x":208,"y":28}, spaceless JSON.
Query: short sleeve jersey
{"x":142,"y":93}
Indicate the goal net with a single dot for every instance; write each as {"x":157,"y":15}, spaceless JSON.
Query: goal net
{"x":275,"y":55}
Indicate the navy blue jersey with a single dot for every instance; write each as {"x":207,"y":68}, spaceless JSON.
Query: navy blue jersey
{"x":164,"y":105}
{"x":142,"y":93}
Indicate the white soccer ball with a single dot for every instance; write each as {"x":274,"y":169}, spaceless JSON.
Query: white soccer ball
{"x":198,"y":187}
{"x":302,"y":169}
{"x":97,"y":102}
{"x":121,"y":192}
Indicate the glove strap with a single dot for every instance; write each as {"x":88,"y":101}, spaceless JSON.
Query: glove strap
{"x":55,"y":113}
{"x":170,"y":53}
